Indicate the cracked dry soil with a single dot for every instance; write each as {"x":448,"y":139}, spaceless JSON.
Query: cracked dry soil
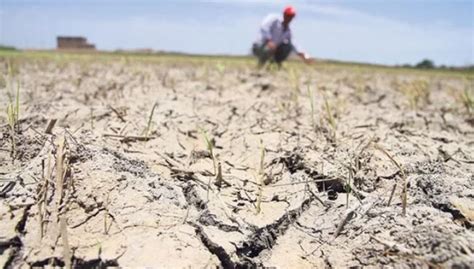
{"x":126,"y":178}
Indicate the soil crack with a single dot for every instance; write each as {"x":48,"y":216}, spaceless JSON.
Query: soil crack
{"x":265,"y":237}
{"x":214,"y":248}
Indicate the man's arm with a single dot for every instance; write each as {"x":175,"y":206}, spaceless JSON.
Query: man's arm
{"x":304,"y":56}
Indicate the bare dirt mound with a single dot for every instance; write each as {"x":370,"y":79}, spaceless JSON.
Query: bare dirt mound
{"x":203,"y":163}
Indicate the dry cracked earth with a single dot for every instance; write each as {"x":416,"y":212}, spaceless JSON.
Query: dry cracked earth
{"x":204,"y":163}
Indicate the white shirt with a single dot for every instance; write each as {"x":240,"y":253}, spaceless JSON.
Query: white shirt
{"x":272,"y":29}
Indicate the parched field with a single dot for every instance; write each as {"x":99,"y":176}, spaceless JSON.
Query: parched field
{"x":177,"y":162}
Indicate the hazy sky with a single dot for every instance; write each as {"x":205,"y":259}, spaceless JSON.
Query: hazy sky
{"x":377,"y":31}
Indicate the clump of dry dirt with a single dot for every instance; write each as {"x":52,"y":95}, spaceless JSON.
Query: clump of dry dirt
{"x":300,"y":174}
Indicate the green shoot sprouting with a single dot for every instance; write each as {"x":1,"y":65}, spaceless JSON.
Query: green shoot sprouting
{"x":330,"y":118}
{"x":467,"y":99}
{"x":147,"y":130}
{"x":13,"y":109}
{"x":220,"y":67}
{"x":13,"y":115}
{"x":295,"y":81}
{"x":210,"y":148}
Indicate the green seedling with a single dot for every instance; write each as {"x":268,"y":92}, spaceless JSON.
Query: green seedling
{"x":467,"y":99}
{"x":13,"y":115}
{"x":295,"y":82}
{"x":210,"y":148}
{"x":220,"y":67}
{"x":13,"y":69}
{"x":13,"y":109}
{"x":147,"y":130}
{"x":330,"y":118}
{"x":463,"y":97}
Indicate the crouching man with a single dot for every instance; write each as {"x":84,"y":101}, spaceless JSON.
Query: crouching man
{"x":275,"y":43}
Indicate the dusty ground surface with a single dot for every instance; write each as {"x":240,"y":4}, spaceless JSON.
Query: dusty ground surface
{"x":126,"y":177}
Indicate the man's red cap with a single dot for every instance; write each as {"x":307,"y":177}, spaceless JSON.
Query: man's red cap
{"x":289,"y":11}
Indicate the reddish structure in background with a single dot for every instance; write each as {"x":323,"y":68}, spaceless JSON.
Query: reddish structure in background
{"x":74,"y":42}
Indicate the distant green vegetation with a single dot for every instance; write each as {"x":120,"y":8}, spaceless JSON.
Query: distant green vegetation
{"x":426,"y":64}
{"x":4,"y":47}
{"x":429,"y":64}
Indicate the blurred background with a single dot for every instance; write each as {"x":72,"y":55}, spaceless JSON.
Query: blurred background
{"x":392,"y":32}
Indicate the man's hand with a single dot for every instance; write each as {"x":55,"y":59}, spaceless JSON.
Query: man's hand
{"x":309,"y":60}
{"x":271,"y":46}
{"x":306,"y":58}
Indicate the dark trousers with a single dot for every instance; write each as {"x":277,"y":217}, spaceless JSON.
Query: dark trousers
{"x":264,"y":54}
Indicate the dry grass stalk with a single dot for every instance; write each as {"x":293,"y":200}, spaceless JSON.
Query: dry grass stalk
{"x":261,"y":170}
{"x":261,"y":176}
{"x":393,"y":245}
{"x":128,"y":138}
{"x":392,"y":193}
{"x":402,"y":172}
{"x":258,"y":205}
{"x":363,"y":147}
{"x":350,"y":213}
{"x":43,"y":195}
{"x":117,"y":113}
{"x":347,"y":186}
{"x":66,"y":249}
{"x":219,"y":178}
{"x":106,"y":228}
{"x":92,"y":118}
{"x":60,"y":170}
{"x":311,"y":100}
{"x":322,"y":173}
{"x":210,"y":148}
{"x":50,"y":126}
{"x":316,"y":197}
{"x":40,"y":203}
{"x":48,"y":178}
